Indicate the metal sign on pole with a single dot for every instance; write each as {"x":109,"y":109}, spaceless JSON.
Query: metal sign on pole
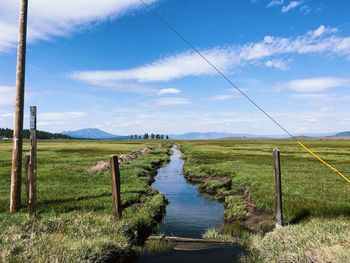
{"x":16,"y":171}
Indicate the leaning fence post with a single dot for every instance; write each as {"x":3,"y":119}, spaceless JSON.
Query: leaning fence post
{"x":115,"y":173}
{"x":278,"y":188}
{"x":26,"y":169}
{"x":32,"y":164}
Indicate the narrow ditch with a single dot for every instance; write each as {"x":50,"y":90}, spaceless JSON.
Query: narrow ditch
{"x":189,"y":213}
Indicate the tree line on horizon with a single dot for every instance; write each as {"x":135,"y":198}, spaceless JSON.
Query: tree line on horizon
{"x":151,"y":136}
{"x":8,"y":133}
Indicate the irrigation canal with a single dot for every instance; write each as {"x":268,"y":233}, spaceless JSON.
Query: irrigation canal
{"x":189,"y":214}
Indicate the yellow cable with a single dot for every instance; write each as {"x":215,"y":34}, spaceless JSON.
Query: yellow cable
{"x":324,"y":162}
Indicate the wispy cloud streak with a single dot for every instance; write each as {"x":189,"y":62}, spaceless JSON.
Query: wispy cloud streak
{"x":169,"y":91}
{"x":292,"y":5}
{"x":323,"y":41}
{"x":49,"y":19}
{"x":316,"y":84}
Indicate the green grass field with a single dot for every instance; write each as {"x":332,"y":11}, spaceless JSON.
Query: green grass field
{"x":316,"y":201}
{"x":75,"y":221}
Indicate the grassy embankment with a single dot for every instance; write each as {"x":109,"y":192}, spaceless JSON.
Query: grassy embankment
{"x":316,"y":202}
{"x":75,"y":222}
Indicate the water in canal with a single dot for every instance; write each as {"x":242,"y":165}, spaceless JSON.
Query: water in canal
{"x":188,"y":214}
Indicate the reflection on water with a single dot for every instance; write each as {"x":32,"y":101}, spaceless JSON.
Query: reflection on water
{"x":188,"y":214}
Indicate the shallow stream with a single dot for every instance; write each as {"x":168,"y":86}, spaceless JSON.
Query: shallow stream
{"x":189,"y":214}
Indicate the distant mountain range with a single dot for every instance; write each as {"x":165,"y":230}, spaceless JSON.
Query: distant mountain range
{"x":93,"y":133}
{"x":222,"y":135}
{"x":97,"y":134}
{"x":208,"y":135}
{"x":343,"y":134}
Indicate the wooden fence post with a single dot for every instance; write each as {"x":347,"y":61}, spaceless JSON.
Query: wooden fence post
{"x":115,"y":173}
{"x":26,"y":167}
{"x":32,"y":164}
{"x":278,"y":188}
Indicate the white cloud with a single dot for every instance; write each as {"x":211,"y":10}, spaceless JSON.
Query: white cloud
{"x":305,"y":9}
{"x":277,"y":63}
{"x":320,"y":98}
{"x":275,"y":3}
{"x":171,"y":101}
{"x":292,"y":5}
{"x":322,"y":30}
{"x":47,"y":120}
{"x":316,"y":84}
{"x":60,"y":116}
{"x":7,"y":95}
{"x":321,"y":41}
{"x":169,"y":91}
{"x":59,"y":121}
{"x":313,"y":96}
{"x":172,"y":67}
{"x":48,"y":19}
{"x":235,"y":122}
{"x":223,"y":97}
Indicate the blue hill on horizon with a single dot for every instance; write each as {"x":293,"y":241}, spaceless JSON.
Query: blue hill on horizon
{"x":97,"y":134}
{"x":94,"y":133}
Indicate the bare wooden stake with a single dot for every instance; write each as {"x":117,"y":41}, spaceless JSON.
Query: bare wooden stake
{"x":26,"y":166}
{"x":32,"y":164}
{"x":16,"y":171}
{"x":115,"y":173}
{"x":278,"y":188}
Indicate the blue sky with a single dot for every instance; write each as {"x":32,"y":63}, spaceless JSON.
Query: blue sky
{"x":114,"y":66}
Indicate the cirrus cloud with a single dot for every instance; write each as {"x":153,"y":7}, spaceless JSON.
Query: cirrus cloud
{"x":277,"y":63}
{"x":169,"y":91}
{"x":275,"y":3}
{"x":171,"y":101}
{"x":322,"y":41}
{"x":223,"y":97}
{"x":47,"y":19}
{"x":317,"y":84}
{"x":292,"y":5}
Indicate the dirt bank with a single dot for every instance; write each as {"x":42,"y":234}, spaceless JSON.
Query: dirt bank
{"x":239,"y":205}
{"x":123,"y":159}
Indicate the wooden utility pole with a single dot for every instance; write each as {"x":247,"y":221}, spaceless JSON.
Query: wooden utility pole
{"x":115,"y":173}
{"x":32,"y":164}
{"x":278,"y":188}
{"x":15,"y":198}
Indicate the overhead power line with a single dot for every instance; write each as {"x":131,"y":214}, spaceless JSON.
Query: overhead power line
{"x":148,"y":7}
{"x":214,"y":67}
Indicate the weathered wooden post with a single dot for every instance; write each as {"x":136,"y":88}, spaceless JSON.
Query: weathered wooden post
{"x":16,"y":170}
{"x":32,"y":164}
{"x":278,"y":188}
{"x":26,"y":168}
{"x":115,"y":173}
